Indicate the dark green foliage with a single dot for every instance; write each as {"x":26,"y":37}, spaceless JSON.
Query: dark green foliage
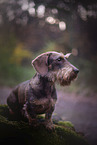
{"x":19,"y":132}
{"x":13,"y":75}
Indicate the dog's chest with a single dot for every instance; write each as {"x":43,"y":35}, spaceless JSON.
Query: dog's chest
{"x":43,"y":105}
{"x":45,"y":102}
{"x":43,"y":97}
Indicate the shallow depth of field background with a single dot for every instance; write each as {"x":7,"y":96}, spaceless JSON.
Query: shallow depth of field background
{"x":29,"y":28}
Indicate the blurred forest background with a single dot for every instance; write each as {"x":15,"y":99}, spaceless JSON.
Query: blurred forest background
{"x":31,"y":27}
{"x":28,"y":28}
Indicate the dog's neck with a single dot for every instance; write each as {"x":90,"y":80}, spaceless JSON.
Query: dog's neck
{"x":43,"y":83}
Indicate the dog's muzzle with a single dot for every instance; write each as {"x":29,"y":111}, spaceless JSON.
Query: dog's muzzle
{"x":66,"y":75}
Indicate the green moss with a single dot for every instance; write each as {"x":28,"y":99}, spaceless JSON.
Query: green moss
{"x":66,"y":124}
{"x":19,"y":132}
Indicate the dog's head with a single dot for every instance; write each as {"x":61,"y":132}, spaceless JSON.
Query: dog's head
{"x":55,"y":66}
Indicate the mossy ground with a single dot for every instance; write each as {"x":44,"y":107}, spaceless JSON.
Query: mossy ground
{"x":19,"y":132}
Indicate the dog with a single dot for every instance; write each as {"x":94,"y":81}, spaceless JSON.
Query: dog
{"x":38,"y":95}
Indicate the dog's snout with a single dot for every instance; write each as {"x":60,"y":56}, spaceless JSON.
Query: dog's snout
{"x":76,"y":71}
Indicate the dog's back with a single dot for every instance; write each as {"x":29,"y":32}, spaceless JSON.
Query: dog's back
{"x":16,"y":99}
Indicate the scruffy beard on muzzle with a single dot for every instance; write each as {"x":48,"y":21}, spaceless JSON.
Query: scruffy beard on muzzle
{"x":63,"y":76}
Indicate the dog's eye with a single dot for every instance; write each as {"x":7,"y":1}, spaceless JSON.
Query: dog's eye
{"x":59,"y":59}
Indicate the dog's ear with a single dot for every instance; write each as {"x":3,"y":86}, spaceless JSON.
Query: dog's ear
{"x":67,"y":55}
{"x":40,"y":64}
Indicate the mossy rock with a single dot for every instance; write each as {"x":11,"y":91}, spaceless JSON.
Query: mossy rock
{"x":19,"y":132}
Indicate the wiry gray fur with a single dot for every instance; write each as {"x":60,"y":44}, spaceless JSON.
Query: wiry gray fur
{"x":38,"y":95}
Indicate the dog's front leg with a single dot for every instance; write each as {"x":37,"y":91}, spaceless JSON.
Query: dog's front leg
{"x":48,"y":118}
{"x":31,"y":118}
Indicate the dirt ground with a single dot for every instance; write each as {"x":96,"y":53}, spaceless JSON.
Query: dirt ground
{"x":80,"y":110}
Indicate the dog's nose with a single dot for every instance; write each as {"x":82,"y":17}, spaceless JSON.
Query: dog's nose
{"x":76,"y":71}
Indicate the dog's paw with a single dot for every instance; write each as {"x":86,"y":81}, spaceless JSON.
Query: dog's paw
{"x":49,"y":125}
{"x":33,"y":122}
